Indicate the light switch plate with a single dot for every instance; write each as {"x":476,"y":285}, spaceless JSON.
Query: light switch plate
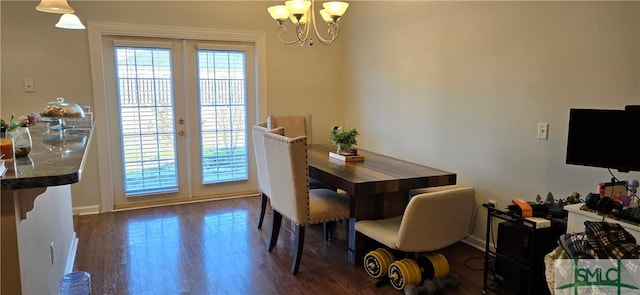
{"x":543,"y":131}
{"x":27,"y":85}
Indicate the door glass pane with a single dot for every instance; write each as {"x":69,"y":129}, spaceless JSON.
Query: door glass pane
{"x":221,"y":82}
{"x":145,"y":96}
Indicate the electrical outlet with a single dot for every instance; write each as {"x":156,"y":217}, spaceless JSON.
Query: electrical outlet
{"x":28,"y":86}
{"x":494,"y":203}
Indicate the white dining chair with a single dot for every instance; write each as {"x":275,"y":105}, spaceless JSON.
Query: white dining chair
{"x":261,"y":165}
{"x":288,"y":173}
{"x":431,"y":221}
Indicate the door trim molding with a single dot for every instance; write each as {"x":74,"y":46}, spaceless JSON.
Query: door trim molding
{"x":96,"y":30}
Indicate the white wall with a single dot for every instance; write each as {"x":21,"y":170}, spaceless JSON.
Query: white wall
{"x":462,"y":86}
{"x":301,"y":80}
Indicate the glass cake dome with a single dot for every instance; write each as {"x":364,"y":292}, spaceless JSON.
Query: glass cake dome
{"x":62,"y":109}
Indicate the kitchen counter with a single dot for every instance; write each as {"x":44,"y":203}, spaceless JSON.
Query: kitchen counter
{"x":56,"y":158}
{"x":38,"y":244}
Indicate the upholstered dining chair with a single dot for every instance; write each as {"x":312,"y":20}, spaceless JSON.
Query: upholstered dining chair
{"x":287,"y":172}
{"x":261,"y":165}
{"x":291,"y":126}
{"x":431,"y":221}
{"x":294,"y":126}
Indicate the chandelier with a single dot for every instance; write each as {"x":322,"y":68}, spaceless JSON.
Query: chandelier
{"x":301,"y":13}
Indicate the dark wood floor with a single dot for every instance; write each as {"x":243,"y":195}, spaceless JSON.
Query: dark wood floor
{"x":214,"y":248}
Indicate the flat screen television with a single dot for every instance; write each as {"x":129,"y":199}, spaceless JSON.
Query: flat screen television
{"x":604,"y":138}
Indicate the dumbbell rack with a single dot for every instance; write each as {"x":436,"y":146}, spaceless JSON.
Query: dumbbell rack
{"x":491,"y":255}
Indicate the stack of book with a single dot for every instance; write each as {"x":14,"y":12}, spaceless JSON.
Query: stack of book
{"x":347,"y":158}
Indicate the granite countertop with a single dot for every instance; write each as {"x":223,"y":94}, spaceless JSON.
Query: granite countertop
{"x":56,"y":158}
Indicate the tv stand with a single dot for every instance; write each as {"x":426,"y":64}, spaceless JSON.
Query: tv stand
{"x":515,"y":263}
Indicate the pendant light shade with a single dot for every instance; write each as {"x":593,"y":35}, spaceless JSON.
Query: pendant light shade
{"x":70,"y":21}
{"x":54,"y":6}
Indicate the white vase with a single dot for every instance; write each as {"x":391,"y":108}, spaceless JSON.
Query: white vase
{"x":343,"y":149}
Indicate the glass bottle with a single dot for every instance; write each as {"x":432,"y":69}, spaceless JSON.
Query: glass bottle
{"x":76,"y":283}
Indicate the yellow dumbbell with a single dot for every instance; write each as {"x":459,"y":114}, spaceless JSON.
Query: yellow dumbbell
{"x":376,"y":262}
{"x":433,"y":265}
{"x":404,"y":272}
{"x":407,"y":271}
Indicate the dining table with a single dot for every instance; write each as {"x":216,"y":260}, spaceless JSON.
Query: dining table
{"x":377,"y":186}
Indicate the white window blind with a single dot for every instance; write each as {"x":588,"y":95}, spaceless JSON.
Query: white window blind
{"x":145,"y":93}
{"x":221,"y":85}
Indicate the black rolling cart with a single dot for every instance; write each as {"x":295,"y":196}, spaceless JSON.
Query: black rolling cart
{"x":516,"y":265}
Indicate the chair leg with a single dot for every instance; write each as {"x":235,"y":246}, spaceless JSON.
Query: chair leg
{"x":346,"y":222}
{"x":328,"y":229}
{"x":300,"y":246}
{"x":275,"y":229}
{"x":263,"y":208}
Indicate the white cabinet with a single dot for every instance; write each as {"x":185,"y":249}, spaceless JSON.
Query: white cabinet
{"x":38,"y":243}
{"x":577,"y":217}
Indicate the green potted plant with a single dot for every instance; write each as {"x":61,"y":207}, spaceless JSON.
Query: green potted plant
{"x":12,"y":125}
{"x":343,"y":139}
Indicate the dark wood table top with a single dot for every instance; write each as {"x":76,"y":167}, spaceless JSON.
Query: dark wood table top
{"x":376,"y":174}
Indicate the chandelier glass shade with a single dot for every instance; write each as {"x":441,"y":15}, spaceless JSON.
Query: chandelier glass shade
{"x":301,"y":14}
{"x":70,"y":21}
{"x":54,"y":6}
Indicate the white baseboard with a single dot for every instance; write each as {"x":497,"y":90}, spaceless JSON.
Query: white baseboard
{"x":86,"y":210}
{"x":477,"y":243}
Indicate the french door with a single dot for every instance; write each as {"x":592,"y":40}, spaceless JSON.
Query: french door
{"x":183,"y":108}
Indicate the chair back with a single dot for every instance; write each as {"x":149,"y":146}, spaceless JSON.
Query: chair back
{"x":294,"y":126}
{"x":436,"y":220}
{"x":261,"y":157}
{"x":288,"y":171}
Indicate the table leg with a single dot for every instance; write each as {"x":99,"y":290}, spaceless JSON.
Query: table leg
{"x":351,"y":252}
